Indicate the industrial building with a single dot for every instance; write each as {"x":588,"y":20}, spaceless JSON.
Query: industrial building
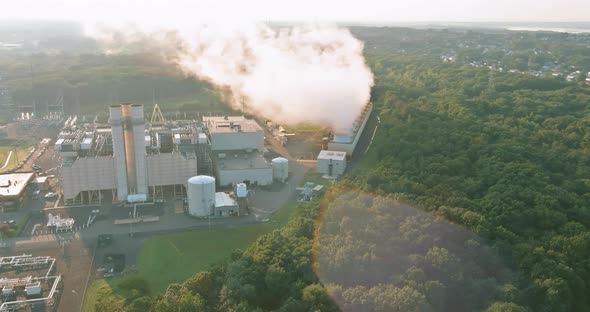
{"x":124,"y":159}
{"x":331,"y":163}
{"x":346,"y":140}
{"x":13,"y":189}
{"x":233,"y":167}
{"x":237,"y":145}
{"x":127,"y":159}
{"x":230,"y":133}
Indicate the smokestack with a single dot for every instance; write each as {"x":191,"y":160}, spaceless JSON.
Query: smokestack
{"x":116,"y":121}
{"x":129,"y":141}
{"x":128,"y":126}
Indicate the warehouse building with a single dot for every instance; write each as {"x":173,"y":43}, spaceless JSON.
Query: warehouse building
{"x":235,"y":167}
{"x":331,"y":163}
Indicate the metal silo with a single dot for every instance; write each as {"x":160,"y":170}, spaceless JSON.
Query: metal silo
{"x":201,"y":195}
{"x":280,"y":169}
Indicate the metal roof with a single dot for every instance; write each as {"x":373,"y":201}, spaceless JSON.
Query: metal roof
{"x":231,"y":124}
{"x":13,"y":184}
{"x":280,"y":160}
{"x":333,"y":155}
{"x":201,"y":179}
{"x":224,"y":200}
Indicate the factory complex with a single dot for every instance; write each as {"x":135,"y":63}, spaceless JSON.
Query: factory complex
{"x":129,"y":160}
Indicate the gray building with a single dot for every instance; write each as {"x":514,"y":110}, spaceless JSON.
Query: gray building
{"x":240,"y":166}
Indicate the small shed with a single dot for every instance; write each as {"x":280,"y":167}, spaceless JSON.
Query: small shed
{"x":225,"y":205}
{"x":331,"y":163}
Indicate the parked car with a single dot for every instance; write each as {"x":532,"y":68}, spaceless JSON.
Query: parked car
{"x":50,"y":195}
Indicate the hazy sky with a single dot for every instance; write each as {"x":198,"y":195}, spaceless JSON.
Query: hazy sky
{"x":167,"y":11}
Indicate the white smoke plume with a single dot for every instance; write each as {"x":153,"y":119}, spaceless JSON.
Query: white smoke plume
{"x":313,"y":74}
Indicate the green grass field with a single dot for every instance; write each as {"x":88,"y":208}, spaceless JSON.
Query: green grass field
{"x":21,"y":152}
{"x":171,"y":258}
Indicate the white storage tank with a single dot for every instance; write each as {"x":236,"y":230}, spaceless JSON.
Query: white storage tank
{"x":280,"y":169}
{"x":136,"y":198}
{"x":201,"y":195}
{"x":241,"y":190}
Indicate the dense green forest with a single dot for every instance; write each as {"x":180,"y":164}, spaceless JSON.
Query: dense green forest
{"x":506,"y":157}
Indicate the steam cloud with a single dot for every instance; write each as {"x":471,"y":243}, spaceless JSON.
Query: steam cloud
{"x":313,"y":73}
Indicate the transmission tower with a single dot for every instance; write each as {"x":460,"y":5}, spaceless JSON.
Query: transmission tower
{"x":157,"y":117}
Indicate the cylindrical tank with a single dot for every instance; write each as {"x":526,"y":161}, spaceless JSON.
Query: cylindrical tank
{"x":241,"y":190}
{"x":201,"y":195}
{"x":280,"y":169}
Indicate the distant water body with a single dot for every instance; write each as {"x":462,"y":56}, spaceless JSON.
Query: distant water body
{"x":554,"y":29}
{"x":564,"y":27}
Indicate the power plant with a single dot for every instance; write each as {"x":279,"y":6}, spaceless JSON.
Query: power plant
{"x":129,"y":160}
{"x":123,"y":160}
{"x":126,"y":159}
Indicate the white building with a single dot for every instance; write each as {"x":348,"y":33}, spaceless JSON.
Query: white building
{"x":235,"y":167}
{"x":331,"y":163}
{"x":225,"y":205}
{"x":234,"y":133}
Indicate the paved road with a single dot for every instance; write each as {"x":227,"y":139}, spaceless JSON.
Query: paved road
{"x":265,"y":202}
